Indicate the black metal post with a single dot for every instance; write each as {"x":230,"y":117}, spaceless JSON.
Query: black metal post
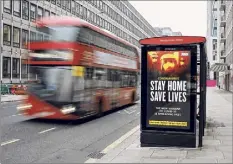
{"x":202,"y":74}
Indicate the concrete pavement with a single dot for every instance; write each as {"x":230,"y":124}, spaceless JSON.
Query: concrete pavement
{"x":217,"y":142}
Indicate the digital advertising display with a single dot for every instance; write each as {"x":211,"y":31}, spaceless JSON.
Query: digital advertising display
{"x":168,"y":89}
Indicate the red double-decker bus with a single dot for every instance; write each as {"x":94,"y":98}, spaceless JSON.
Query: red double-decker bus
{"x":81,"y":70}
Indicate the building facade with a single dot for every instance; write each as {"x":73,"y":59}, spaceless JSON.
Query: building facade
{"x":177,"y":34}
{"x":226,"y":40}
{"x":223,"y":65}
{"x":213,"y":23}
{"x":166,"y":31}
{"x":17,"y":27}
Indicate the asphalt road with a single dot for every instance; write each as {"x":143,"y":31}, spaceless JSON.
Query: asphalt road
{"x":25,"y":140}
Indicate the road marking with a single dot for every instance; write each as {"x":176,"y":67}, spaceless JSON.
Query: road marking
{"x":9,"y":142}
{"x":115,"y":143}
{"x":11,"y":106}
{"x":44,"y":131}
{"x":138,"y":113}
{"x":16,"y":115}
{"x":129,"y":112}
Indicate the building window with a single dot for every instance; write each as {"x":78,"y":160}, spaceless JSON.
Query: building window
{"x":46,"y":13}
{"x":68,"y":5}
{"x":94,"y":18}
{"x":39,"y":12}
{"x":7,"y":5}
{"x":100,"y":5}
{"x":6,"y":35}
{"x":17,"y":7}
{"x":53,"y":14}
{"x":84,"y":12}
{"x":214,"y":57}
{"x":24,"y":38}
{"x":101,"y":22}
{"x":106,"y":25}
{"x":58,"y":3}
{"x":215,"y":32}
{"x":77,"y":6}
{"x":53,"y":2}
{"x":88,"y":15}
{"x":73,"y":7}
{"x":32,"y":36}
{"x":16,"y":37}
{"x":25,"y":10}
{"x":63,"y":4}
{"x":24,"y":68}
{"x":33,"y":12}
{"x":6,"y":70}
{"x":15,"y":67}
{"x":98,"y":20}
{"x":81,"y":11}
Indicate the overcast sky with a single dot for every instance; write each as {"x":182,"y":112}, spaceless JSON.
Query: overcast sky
{"x":188,"y":17}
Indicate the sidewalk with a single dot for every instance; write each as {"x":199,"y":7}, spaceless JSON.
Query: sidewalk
{"x":217,"y":142}
{"x":11,"y":98}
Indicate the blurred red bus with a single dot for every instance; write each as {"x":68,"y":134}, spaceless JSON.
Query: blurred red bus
{"x":81,"y":70}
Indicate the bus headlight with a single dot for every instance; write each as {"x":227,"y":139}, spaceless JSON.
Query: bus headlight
{"x":24,"y":107}
{"x":68,"y":109}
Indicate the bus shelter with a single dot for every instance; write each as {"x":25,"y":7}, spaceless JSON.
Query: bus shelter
{"x":173,"y":91}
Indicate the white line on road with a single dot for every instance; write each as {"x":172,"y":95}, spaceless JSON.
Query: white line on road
{"x":16,"y":115}
{"x":138,"y":113}
{"x":6,"y":107}
{"x":44,"y":131}
{"x":9,"y":142}
{"x":129,"y":112}
{"x":115,"y":143}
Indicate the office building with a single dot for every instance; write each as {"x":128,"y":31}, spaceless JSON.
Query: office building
{"x":212,"y":36}
{"x":166,"y":31}
{"x":224,"y":65}
{"x":118,"y":17}
{"x":226,"y":40}
{"x":177,"y":34}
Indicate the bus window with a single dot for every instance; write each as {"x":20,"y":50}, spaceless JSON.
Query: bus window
{"x":60,"y":33}
{"x":88,"y":78}
{"x":124,"y":79}
{"x":115,"y":79}
{"x":109,"y":79}
{"x":99,"y":79}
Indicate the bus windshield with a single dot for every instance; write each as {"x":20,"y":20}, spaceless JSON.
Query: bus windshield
{"x":60,"y":33}
{"x":53,"y":83}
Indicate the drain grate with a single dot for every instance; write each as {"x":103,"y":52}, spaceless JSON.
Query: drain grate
{"x":96,"y":155}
